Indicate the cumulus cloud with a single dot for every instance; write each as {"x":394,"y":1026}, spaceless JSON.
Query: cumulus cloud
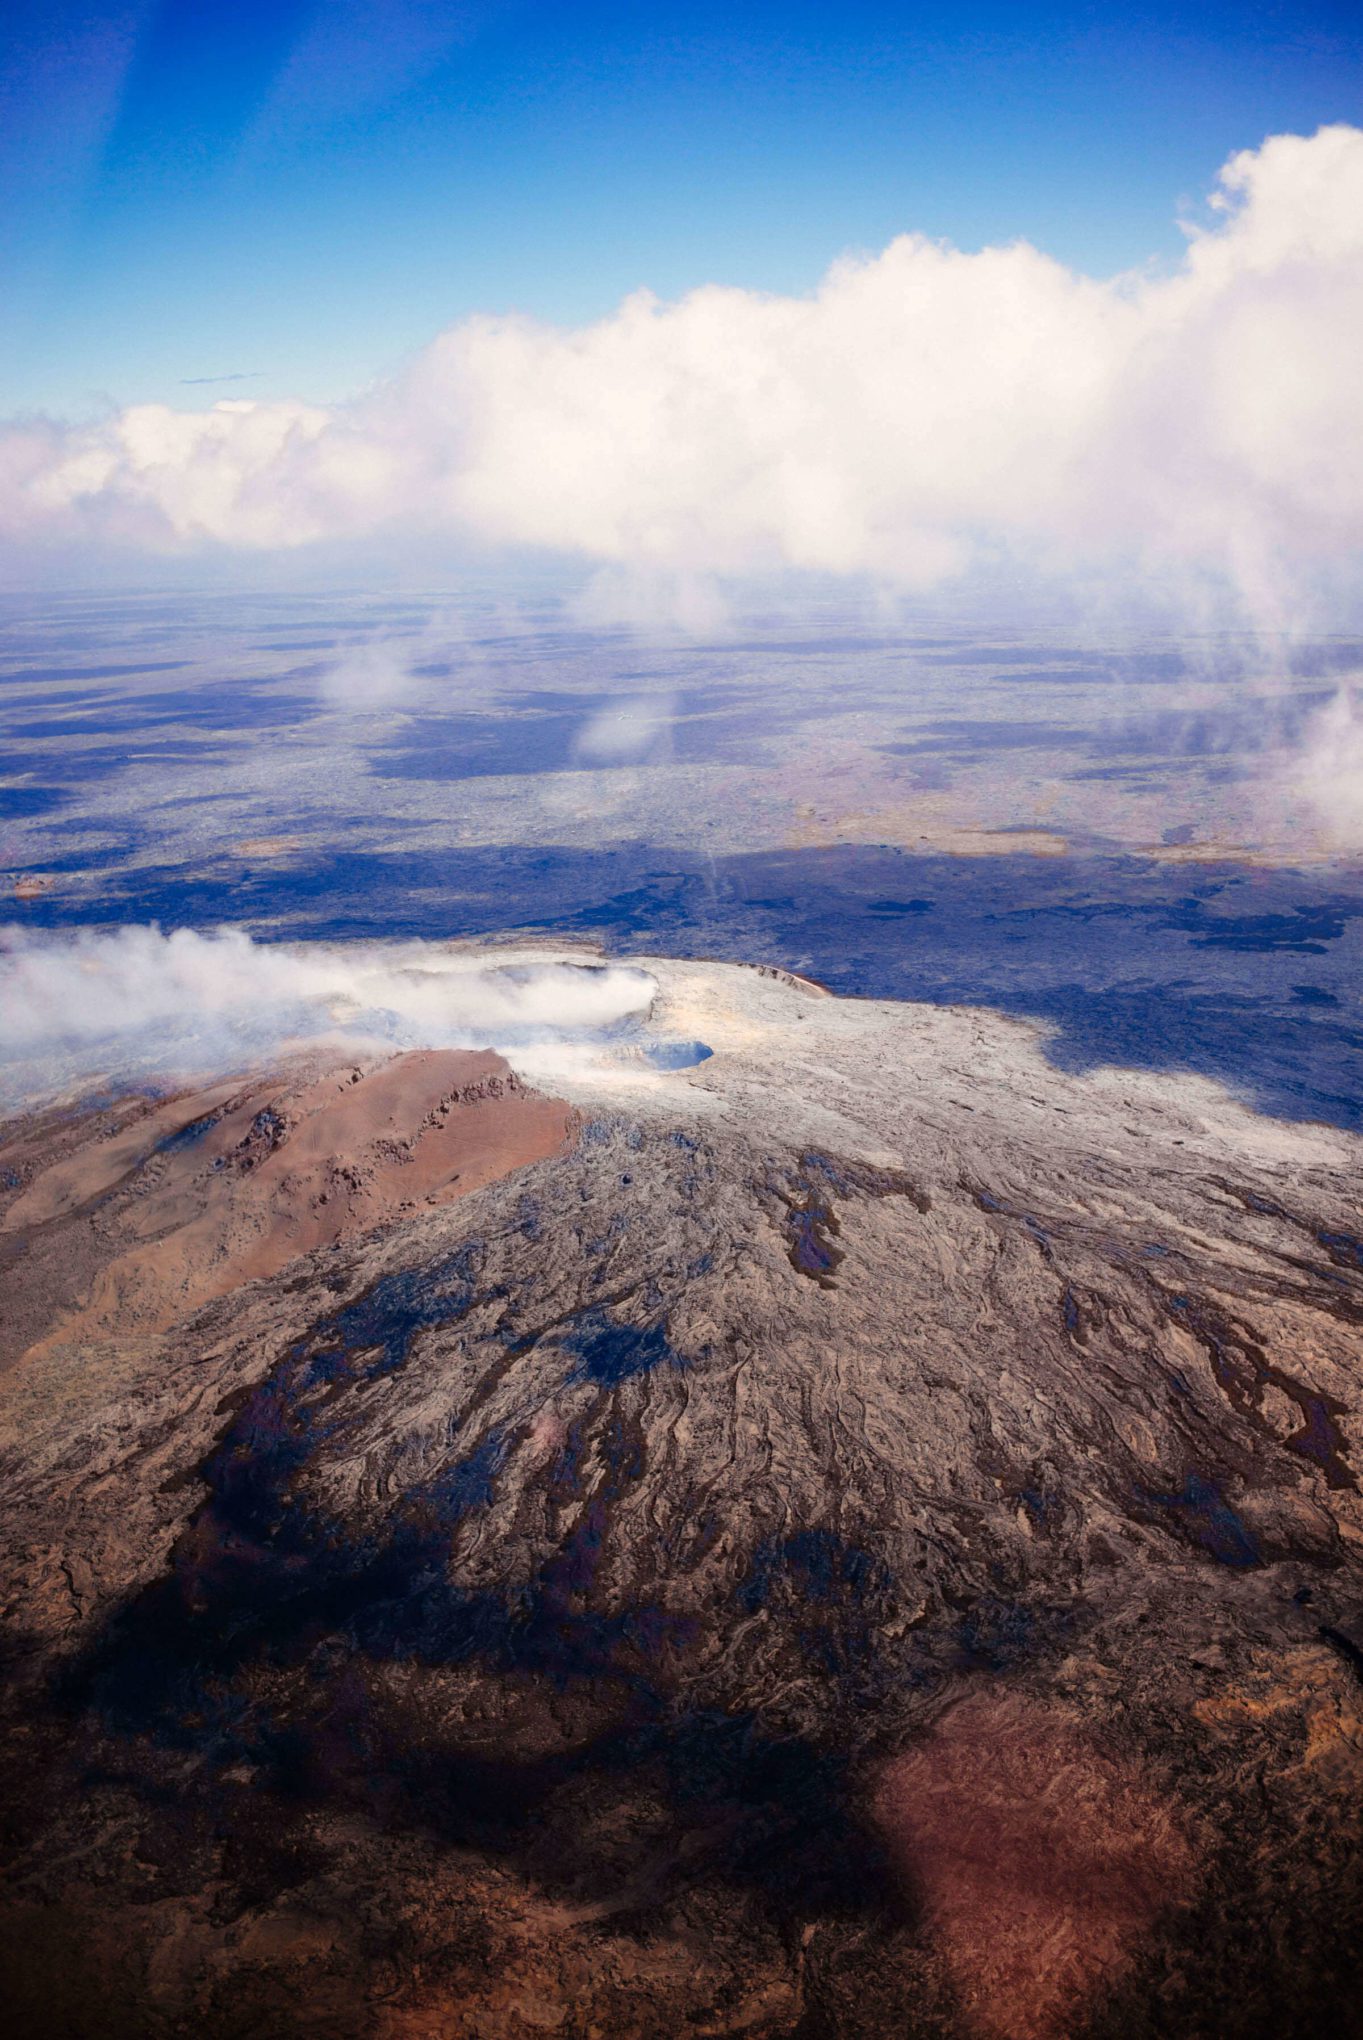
{"x":925,"y":409}
{"x":133,"y":1002}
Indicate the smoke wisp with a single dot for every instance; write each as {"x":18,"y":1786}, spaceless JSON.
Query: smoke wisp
{"x":135,"y":1003}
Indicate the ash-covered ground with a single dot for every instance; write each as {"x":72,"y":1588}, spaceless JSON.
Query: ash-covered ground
{"x":853,"y":1532}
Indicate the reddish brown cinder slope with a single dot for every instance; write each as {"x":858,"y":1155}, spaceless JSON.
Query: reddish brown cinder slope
{"x":152,"y":1210}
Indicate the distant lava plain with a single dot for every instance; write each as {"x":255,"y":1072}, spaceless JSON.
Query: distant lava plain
{"x":856,"y":1533}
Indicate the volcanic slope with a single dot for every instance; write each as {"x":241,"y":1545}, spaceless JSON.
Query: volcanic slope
{"x":856,"y":1535}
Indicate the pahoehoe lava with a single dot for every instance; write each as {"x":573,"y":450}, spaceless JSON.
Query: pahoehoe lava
{"x":855,"y":1534}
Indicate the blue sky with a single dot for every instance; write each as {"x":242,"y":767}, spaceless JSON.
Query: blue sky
{"x":301,"y":196}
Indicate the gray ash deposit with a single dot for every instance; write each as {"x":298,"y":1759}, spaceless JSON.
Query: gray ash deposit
{"x":857,"y":1533}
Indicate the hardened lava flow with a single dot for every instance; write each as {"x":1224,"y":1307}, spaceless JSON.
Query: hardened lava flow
{"x":856,"y":1533}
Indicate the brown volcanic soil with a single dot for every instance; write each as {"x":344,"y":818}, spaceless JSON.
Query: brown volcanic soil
{"x":152,"y":1209}
{"x":1041,"y":1859}
{"x":857,"y":1537}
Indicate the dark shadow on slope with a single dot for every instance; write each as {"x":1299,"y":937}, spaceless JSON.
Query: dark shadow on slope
{"x":254,"y":1653}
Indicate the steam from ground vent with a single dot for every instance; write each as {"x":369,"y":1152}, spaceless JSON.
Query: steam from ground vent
{"x":1324,"y":777}
{"x":924,"y":410}
{"x":137,"y":1003}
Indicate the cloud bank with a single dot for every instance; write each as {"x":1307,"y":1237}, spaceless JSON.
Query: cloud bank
{"x":133,"y":1002}
{"x":925,"y":410}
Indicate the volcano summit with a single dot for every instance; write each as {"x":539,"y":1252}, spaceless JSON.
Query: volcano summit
{"x":791,"y":1518}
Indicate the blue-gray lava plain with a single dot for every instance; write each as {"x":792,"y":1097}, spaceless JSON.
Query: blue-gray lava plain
{"x":1108,"y":839}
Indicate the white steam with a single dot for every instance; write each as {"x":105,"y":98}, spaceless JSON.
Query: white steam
{"x":925,"y":409}
{"x":631,"y":731}
{"x":372,"y":676}
{"x":1324,"y":776}
{"x":136,"y":1003}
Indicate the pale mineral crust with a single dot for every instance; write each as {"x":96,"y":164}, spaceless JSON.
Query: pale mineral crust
{"x":856,"y":1536}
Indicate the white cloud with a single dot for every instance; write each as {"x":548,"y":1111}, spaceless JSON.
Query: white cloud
{"x":1321,"y":782}
{"x":634,"y":730}
{"x":134,"y":1001}
{"x":375,"y":675}
{"x":924,"y":409}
